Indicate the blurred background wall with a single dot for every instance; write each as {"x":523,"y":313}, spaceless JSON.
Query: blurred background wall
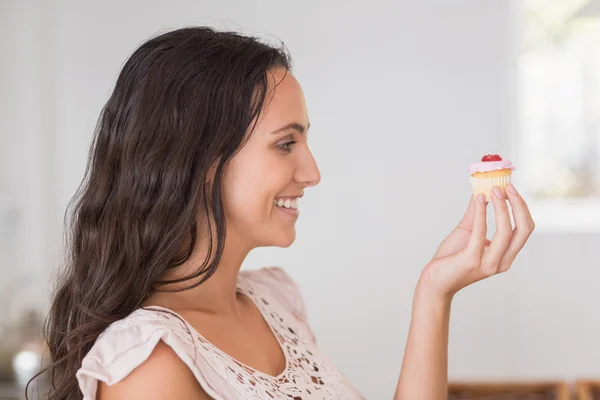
{"x":402,"y":96}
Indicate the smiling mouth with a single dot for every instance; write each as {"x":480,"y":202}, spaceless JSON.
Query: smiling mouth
{"x":288,"y":204}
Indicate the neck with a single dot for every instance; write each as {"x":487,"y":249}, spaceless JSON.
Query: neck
{"x":217,"y":295}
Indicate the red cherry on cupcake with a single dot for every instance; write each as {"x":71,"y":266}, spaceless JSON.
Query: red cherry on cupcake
{"x":491,"y":157}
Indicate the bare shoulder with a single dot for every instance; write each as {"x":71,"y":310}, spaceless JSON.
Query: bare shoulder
{"x":162,"y":376}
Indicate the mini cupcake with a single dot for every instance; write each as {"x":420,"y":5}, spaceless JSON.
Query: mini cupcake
{"x":491,"y":171}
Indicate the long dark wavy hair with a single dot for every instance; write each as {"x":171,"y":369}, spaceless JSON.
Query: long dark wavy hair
{"x":180,"y":110}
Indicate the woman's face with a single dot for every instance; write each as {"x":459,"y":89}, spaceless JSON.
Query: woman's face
{"x":272,"y":169}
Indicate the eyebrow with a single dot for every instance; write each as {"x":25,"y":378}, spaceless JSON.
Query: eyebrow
{"x":293,"y":126}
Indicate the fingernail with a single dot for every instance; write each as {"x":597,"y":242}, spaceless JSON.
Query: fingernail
{"x":481,"y":198}
{"x":498,"y":193}
{"x":511,"y":188}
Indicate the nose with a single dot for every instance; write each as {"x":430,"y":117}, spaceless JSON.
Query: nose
{"x":308,"y":172}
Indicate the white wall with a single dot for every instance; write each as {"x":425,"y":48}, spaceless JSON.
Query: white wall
{"x":402,"y":96}
{"x":27,"y":183}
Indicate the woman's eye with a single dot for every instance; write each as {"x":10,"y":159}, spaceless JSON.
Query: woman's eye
{"x":286,"y":146}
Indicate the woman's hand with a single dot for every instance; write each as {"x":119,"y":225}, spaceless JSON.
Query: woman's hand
{"x":466,"y":256}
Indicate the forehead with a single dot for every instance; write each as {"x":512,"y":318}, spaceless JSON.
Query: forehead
{"x":284,"y":102}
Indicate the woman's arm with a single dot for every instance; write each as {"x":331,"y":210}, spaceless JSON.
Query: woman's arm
{"x":464,"y":257}
{"x":425,"y":364}
{"x":162,"y":376}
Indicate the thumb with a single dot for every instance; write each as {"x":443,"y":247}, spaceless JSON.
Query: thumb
{"x":467,"y":220}
{"x":477,"y":241}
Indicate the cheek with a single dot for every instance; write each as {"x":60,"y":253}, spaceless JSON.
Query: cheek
{"x":249,"y":188}
{"x":255,"y":176}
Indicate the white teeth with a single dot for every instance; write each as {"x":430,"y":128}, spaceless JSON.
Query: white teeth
{"x":287,"y":203}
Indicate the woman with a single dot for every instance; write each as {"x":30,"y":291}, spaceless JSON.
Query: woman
{"x":200,"y":155}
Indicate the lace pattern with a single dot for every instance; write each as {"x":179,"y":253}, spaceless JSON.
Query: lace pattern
{"x":308,"y":374}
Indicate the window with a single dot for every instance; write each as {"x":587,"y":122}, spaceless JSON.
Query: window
{"x":559,"y":112}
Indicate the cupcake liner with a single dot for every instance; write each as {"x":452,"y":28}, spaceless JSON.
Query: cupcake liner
{"x":485,"y":184}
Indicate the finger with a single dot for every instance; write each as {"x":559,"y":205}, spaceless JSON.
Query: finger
{"x":458,"y":239}
{"x":477,"y":239}
{"x":467,"y":220}
{"x":524,"y":226}
{"x":503,"y":235}
{"x":519,"y":206}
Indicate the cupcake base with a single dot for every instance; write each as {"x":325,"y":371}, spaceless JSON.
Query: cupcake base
{"x":483,"y":182}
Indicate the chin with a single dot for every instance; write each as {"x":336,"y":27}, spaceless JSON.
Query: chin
{"x":287,"y":244}
{"x":283,"y":240}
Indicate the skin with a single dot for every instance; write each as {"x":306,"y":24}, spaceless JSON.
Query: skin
{"x":263,"y":171}
{"x":266,"y":168}
{"x":463,"y":258}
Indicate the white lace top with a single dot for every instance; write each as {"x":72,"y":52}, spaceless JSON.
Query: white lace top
{"x":308,"y":373}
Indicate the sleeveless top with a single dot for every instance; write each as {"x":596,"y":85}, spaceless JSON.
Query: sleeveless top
{"x":308,"y":373}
